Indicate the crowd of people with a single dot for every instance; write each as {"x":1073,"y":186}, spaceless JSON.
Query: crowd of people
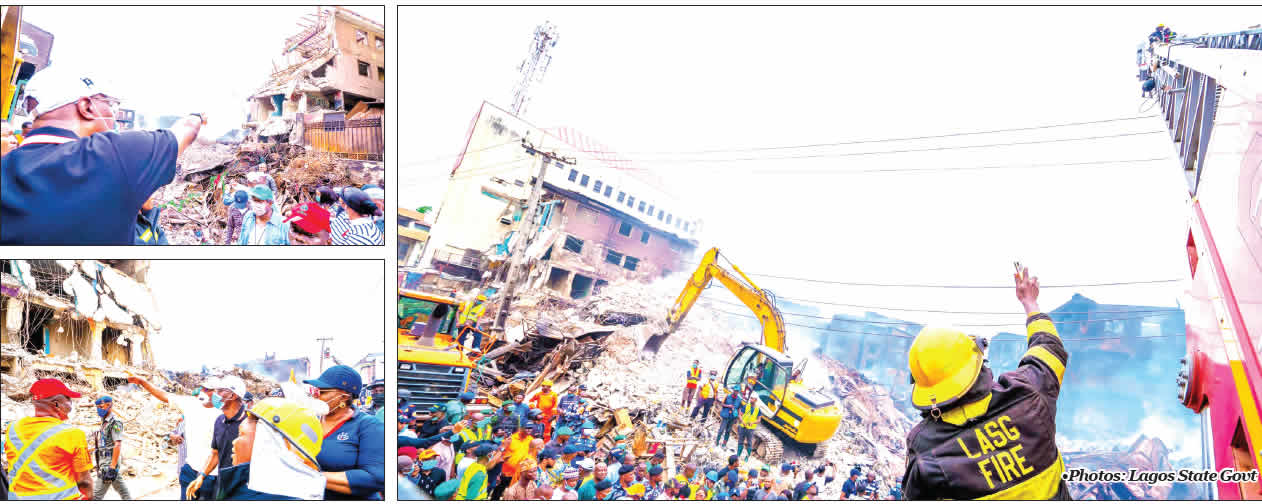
{"x":71,"y":178}
{"x":295,"y":444}
{"x":545,"y":448}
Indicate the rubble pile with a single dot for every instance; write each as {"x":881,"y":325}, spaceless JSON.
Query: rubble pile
{"x":194,"y":201}
{"x":1145,"y":454}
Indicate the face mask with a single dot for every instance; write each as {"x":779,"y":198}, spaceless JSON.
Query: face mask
{"x":102,"y":412}
{"x":216,"y":401}
{"x":378,"y":399}
{"x":258,"y":207}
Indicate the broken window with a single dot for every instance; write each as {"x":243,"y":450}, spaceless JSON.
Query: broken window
{"x":612,"y":257}
{"x":363,"y":69}
{"x":660,"y":213}
{"x":625,"y":229}
{"x":630,"y":201}
{"x":631,"y":263}
{"x":644,"y":237}
{"x":573,"y":175}
{"x":583,"y":181}
{"x":381,"y":73}
{"x":641,"y":207}
{"x":381,"y":43}
{"x":621,"y":196}
{"x":361,"y":37}
{"x":573,"y":244}
{"x":608,"y":190}
{"x":596,"y":187}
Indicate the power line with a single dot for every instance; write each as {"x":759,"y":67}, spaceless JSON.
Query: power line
{"x":897,"y":151}
{"x":959,"y":168}
{"x":875,"y":322}
{"x":928,"y":310}
{"x":938,"y":286}
{"x":878,"y":140}
{"x":463,"y":153}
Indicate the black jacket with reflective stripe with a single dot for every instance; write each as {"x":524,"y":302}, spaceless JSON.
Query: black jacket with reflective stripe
{"x":1008,"y":450}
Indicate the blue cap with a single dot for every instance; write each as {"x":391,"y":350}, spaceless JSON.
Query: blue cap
{"x":261,"y":192}
{"x":249,"y":396}
{"x":712,"y":476}
{"x":624,"y":468}
{"x":655,"y":470}
{"x":753,"y":473}
{"x":378,"y":381}
{"x":337,"y":377}
{"x":786,"y":466}
{"x":600,"y":485}
{"x":104,"y":399}
{"x":483,"y":450}
{"x":240,"y":199}
{"x":467,"y":396}
{"x":855,"y":472}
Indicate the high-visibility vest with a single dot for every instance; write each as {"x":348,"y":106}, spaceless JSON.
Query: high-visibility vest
{"x":469,"y":311}
{"x":707,"y":390}
{"x":546,"y":402}
{"x":466,"y":493}
{"x":694,"y":374}
{"x":55,"y":487}
{"x":749,"y":415}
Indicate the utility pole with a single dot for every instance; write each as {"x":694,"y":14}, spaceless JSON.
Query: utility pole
{"x":322,"y":341}
{"x":528,"y":233}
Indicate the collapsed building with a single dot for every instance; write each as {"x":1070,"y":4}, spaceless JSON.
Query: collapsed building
{"x":601,"y":219}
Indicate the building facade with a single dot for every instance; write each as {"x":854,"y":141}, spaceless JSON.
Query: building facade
{"x":602,"y":219}
{"x":413,"y":233}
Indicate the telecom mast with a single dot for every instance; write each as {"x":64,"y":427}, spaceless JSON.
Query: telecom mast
{"x":535,"y":65}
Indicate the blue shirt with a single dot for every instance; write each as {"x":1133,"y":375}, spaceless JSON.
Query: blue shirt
{"x":357,"y":448}
{"x":224,"y":434}
{"x":87,"y":191}
{"x":147,"y":230}
{"x":277,"y":232}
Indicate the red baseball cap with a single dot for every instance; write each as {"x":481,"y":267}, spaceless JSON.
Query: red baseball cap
{"x":49,"y":387}
{"x":311,"y":217}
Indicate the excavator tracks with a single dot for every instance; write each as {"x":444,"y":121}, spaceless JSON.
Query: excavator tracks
{"x":767,"y":445}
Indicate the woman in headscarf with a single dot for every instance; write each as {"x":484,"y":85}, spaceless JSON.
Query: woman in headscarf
{"x":353,"y":454}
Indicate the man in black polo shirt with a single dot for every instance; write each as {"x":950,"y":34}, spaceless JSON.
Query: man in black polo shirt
{"x":228,"y":395}
{"x":75,"y":181}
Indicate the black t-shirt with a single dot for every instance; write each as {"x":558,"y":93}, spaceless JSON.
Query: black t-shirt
{"x":225,"y":433}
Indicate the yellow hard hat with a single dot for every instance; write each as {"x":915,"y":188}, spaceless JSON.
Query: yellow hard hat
{"x":481,"y":297}
{"x":296,"y":422}
{"x":547,"y":382}
{"x":944,"y":363}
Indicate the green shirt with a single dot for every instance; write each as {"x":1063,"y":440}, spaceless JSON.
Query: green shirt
{"x":587,"y":491}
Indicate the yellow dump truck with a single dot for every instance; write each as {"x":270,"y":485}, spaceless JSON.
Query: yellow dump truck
{"x":433,"y":369}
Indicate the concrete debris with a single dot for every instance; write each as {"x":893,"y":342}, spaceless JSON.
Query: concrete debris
{"x":1145,"y":454}
{"x":195,"y":202}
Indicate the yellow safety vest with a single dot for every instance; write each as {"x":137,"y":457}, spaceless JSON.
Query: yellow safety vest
{"x":57,"y":487}
{"x":707,"y":390}
{"x":463,"y":493}
{"x":749,"y":417}
{"x":694,"y":374}
{"x":469,"y":311}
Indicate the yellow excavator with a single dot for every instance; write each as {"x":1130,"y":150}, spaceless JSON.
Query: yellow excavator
{"x":789,"y":408}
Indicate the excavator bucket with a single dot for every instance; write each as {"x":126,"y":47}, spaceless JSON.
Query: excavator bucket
{"x":654,"y":343}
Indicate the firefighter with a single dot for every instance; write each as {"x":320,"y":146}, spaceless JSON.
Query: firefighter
{"x":985,"y":439}
{"x":546,"y":401}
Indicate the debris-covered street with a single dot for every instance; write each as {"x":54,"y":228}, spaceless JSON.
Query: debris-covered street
{"x":284,"y":145}
{"x":121,"y":353}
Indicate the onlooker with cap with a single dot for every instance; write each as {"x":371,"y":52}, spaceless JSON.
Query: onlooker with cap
{"x":148,"y":231}
{"x":185,"y":472}
{"x":109,"y":448}
{"x":353,"y":457}
{"x":357,"y":227}
{"x":474,"y":482}
{"x":516,"y":449}
{"x":654,"y":488}
{"x":456,"y":407}
{"x":852,"y":485}
{"x":568,"y":489}
{"x":430,"y":475}
{"x":260,"y":178}
{"x":626,"y":479}
{"x":226,"y":397}
{"x":237,"y":206}
{"x":74,"y":181}
{"x":45,"y":441}
{"x":727,"y":418}
{"x":378,"y":196}
{"x":309,"y":225}
{"x":522,"y":485}
{"x":273,"y":230}
{"x":404,"y":431}
{"x":407,"y":468}
{"x":604,"y":488}
{"x":274,"y":454}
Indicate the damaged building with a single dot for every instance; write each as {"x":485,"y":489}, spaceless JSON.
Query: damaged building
{"x":328,"y":87}
{"x":79,"y":319}
{"x":602,"y":219}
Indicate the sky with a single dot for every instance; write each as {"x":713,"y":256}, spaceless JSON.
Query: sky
{"x":173,"y":60}
{"x":220,"y":313}
{"x":648,"y":81}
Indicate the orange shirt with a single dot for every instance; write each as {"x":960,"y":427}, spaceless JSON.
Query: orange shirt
{"x":546,"y":402}
{"x":518,"y":449}
{"x":62,"y":455}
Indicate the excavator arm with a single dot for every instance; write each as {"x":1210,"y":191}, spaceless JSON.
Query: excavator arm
{"x":757,"y":300}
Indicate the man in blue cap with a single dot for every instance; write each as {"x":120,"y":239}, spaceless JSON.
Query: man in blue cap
{"x":109,"y":448}
{"x":263,"y":225}
{"x":378,"y":395}
{"x":378,"y":197}
{"x":626,"y":478}
{"x":852,"y":485}
{"x":584,"y":442}
{"x":456,"y":408}
{"x":571,"y":406}
{"x":559,"y":441}
{"x":237,"y":204}
{"x":654,"y":488}
{"x":474,"y":483}
{"x":603,"y":489}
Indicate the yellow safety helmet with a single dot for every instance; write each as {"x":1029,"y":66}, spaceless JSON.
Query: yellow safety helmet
{"x":481,"y":297}
{"x":944,"y":363}
{"x":547,"y":382}
{"x":297,"y":423}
